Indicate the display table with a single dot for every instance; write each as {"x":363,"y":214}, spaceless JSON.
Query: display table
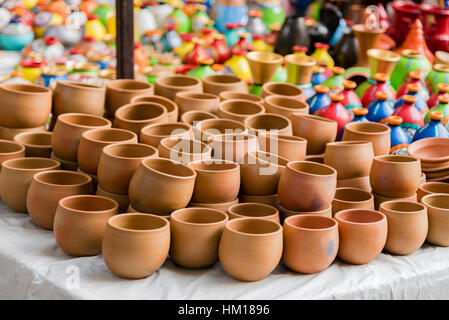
{"x":33,"y":267}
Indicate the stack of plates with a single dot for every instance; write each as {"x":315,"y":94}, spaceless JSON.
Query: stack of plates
{"x":434,"y":156}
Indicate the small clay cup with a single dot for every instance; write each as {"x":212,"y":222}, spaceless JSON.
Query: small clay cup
{"x":378,"y":134}
{"x":65,"y":165}
{"x":223,"y":206}
{"x":223,"y":82}
{"x":74,"y":96}
{"x":432,"y":187}
{"x":37,"y":144}
{"x":361,"y":183}
{"x":11,"y":150}
{"x":285,"y":213}
{"x":121,"y":199}
{"x":184,"y":150}
{"x":282,"y":89}
{"x":271,"y":199}
{"x":9,"y":133}
{"x":352,"y":198}
{"x":378,"y":200}
{"x":285,"y":106}
{"x":227,"y":95}
{"x":239,"y":110}
{"x":269,"y":122}
{"x":152,"y":134}
{"x":120,"y":92}
{"x":438,"y":214}
{"x":172,"y":108}
{"x":190,"y":101}
{"x":169,"y":86}
{"x":193,"y":117}
{"x":205,"y":129}
{"x":289,"y":147}
{"x":135,"y":116}
{"x":253,"y":210}
{"x":233,"y":147}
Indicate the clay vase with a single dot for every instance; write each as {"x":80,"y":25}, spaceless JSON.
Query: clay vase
{"x":184,"y":150}
{"x":310,"y":243}
{"x":318,"y":131}
{"x":438,"y":212}
{"x":263,"y":65}
{"x":206,"y":129}
{"x":291,"y":148}
{"x":190,"y":101}
{"x":362,"y":234}
{"x":282,"y":89}
{"x":9,"y":133}
{"x":223,"y":206}
{"x":269,"y":122}
{"x":161,"y":186}
{"x":170,"y":85}
{"x":10,"y":150}
{"x":368,"y":39}
{"x":24,"y":105}
{"x":285,"y":106}
{"x":120,"y":92}
{"x":121,"y":199}
{"x":216,"y":181}
{"x":228,"y":95}
{"x":407,"y":226}
{"x":48,"y":187}
{"x":172,"y":108}
{"x":135,"y":245}
{"x":395,"y":176}
{"x":217,"y":83}
{"x":68,"y":130}
{"x":239,"y":110}
{"x":92,"y":143}
{"x":37,"y":144}
{"x":382,"y":61}
{"x":233,"y":147}
{"x":74,"y":96}
{"x":193,"y":117}
{"x":135,"y":116}
{"x":285,"y":213}
{"x":195,"y":236}
{"x":314,"y":181}
{"x":80,"y":222}
{"x":352,"y":198}
{"x":432,"y":187}
{"x":253,"y":210}
{"x":118,"y":162}
{"x":250,"y":248}
{"x":152,"y":134}
{"x":376,"y":133}
{"x":16,"y":176}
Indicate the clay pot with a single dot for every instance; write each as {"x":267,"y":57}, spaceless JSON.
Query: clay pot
{"x":299,"y":68}
{"x":351,"y":198}
{"x":193,"y":117}
{"x":135,"y":245}
{"x":65,"y":165}
{"x":161,"y":185}
{"x":205,"y":129}
{"x":285,"y":213}
{"x":253,"y":210}
{"x":362,"y":234}
{"x":318,"y":158}
{"x":378,"y":134}
{"x":153,"y":134}
{"x":135,"y":116}
{"x":92,"y":143}
{"x":407,"y":226}
{"x":395,"y":176}
{"x":378,"y":200}
{"x":120,"y":92}
{"x":184,"y":150}
{"x":233,"y":147}
{"x":24,"y":105}
{"x":432,"y":187}
{"x":283,"y":89}
{"x":271,"y":199}
{"x":121,"y":199}
{"x":74,"y":96}
{"x":170,"y":85}
{"x":131,"y":209}
{"x":216,"y":181}
{"x":93,"y":177}
{"x":172,"y":108}
{"x":269,"y":122}
{"x":68,"y":130}
{"x":437,"y":205}
{"x":117,"y":164}
{"x":223,"y":206}
{"x":37,"y":144}
{"x":289,"y":147}
{"x":190,"y":101}
{"x":48,"y":187}
{"x":195,"y":236}
{"x":315,"y":182}
{"x":310,"y":243}
{"x":318,"y":131}
{"x":228,"y":95}
{"x":223,"y":82}
{"x":250,"y":248}
{"x":10,"y":150}
{"x":239,"y":110}
{"x":80,"y":223}
{"x":361,"y":183}
{"x":285,"y":106}
{"x":263,"y":65}
{"x":431,"y":151}
{"x":16,"y":176}
{"x":9,"y":133}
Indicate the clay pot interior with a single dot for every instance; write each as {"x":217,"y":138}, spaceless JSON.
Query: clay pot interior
{"x":285,"y":105}
{"x":10,"y":148}
{"x":228,"y":95}
{"x":138,"y":222}
{"x":360,"y":216}
{"x":62,"y":178}
{"x":212,"y":127}
{"x":223,"y":82}
{"x":312,"y":168}
{"x":162,"y":166}
{"x":30,"y":163}
{"x":269,"y":122}
{"x":253,"y":226}
{"x":352,"y":195}
{"x":109,"y":135}
{"x":88,"y":204}
{"x":282,"y":89}
{"x":368,"y":127}
{"x":191,"y":101}
{"x":130,"y":150}
{"x":310,"y":222}
{"x":34,"y":139}
{"x":128,"y":85}
{"x":198,"y":216}
{"x":193,"y":117}
{"x":440,"y":201}
{"x":253,"y":210}
{"x":219,"y":79}
{"x":154,"y":133}
{"x":433,"y":187}
{"x":141,"y":111}
{"x":239,"y":109}
{"x":402,"y":206}
{"x":83,"y":120}
{"x":172,"y":108}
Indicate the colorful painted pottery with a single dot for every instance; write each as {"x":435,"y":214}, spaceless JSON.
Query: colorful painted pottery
{"x":380,"y":108}
{"x":443,"y":89}
{"x":399,"y":138}
{"x":412,"y":118}
{"x":263,"y":66}
{"x":318,"y":76}
{"x":352,"y":198}
{"x":170,"y":85}
{"x":436,"y":19}
{"x":350,"y":99}
{"x":438,"y":74}
{"x":437,"y":212}
{"x":16,"y":35}
{"x":153,"y":134}
{"x":322,"y":56}
{"x":420,"y":103}
{"x":335,"y":82}
{"x":416,"y":77}
{"x":299,"y":72}
{"x":368,"y":39}
{"x":94,"y":28}
{"x":120,"y":92}
{"x":380,"y":85}
{"x":294,"y":32}
{"x":432,"y":187}
{"x":282,"y":89}
{"x":289,"y":147}
{"x":336,"y":111}
{"x":320,"y":99}
{"x":442,"y":106}
{"x":216,"y":84}
{"x":239,"y":65}
{"x":377,"y":133}
{"x":410,"y":60}
{"x":383,"y":61}
{"x":415,"y":41}
{"x":230,"y":12}
{"x":172,"y":108}
{"x":238,"y":110}
{"x":285,"y":106}
{"x":434,"y":128}
{"x":135,"y":116}
{"x":360,"y":115}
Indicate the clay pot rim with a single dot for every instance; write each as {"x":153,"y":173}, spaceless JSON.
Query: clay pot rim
{"x":293,"y":212}
{"x":349,"y":143}
{"x":283,"y":137}
{"x":313,"y":117}
{"x":208,"y":79}
{"x":237,"y":125}
{"x":384,"y":55}
{"x":174,"y":216}
{"x":21,"y":147}
{"x":268,"y":85}
{"x":180,"y":125}
{"x":384,"y":205}
{"x":267,"y":197}
{"x":229,"y":203}
{"x":360,"y":191}
{"x":269,"y":156}
{"x":424,"y":200}
{"x":139,"y":145}
{"x":112,"y":219}
{"x":162,"y":81}
{"x":410,"y":53}
{"x":235,"y":167}
{"x":379,"y":198}
{"x":340,"y":219}
{"x":123,"y":196}
{"x":296,"y":59}
{"x":112,"y":85}
{"x":145,"y":161}
{"x":70,"y":163}
{"x":268,"y":100}
{"x":172,"y":104}
{"x":275,"y":212}
{"x":90,"y":196}
{"x":80,"y":85}
{"x":120,"y":110}
{"x":241,"y":96}
{"x":267,"y":115}
{"x":223,"y":137}
{"x":14,"y":88}
{"x":313,"y":164}
{"x":364,"y":124}
{"x":264,"y":57}
{"x":87,"y":135}
{"x":206,"y":149}
{"x":195,"y":96}
{"x":289,"y":219}
{"x":37,"y":177}
{"x":64,"y":118}
{"x":230,"y":223}
{"x":362,"y":29}
{"x":52,"y":163}
{"x":396,"y":159}
{"x":434,"y":183}
{"x":413,"y":147}
{"x":31,"y":133}
{"x":223,"y":104}
{"x":188,"y":113}
{"x":130,"y":209}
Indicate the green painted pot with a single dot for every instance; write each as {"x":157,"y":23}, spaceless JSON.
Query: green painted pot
{"x":180,"y":20}
{"x":439,"y":74}
{"x":280,"y":75}
{"x":410,"y":60}
{"x":273,"y":14}
{"x":336,"y":81}
{"x":255,"y":89}
{"x":201,"y":71}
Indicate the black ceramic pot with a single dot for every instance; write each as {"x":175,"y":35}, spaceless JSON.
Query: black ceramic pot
{"x":346,"y":51}
{"x":293,"y":33}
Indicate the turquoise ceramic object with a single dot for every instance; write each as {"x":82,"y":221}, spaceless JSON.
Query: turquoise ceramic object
{"x":16,"y":42}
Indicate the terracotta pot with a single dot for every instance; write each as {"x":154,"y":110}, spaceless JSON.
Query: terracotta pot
{"x":117,"y":164}
{"x":378,"y":200}
{"x":195,"y":236}
{"x":250,"y":248}
{"x":253,"y":210}
{"x":407,"y":226}
{"x":74,"y":96}
{"x":154,"y":133}
{"x":48,"y":187}
{"x":362,"y":234}
{"x":228,"y":95}
{"x":361,"y":183}
{"x":314,"y":181}
{"x":172,"y":108}
{"x":271,"y":199}
{"x":10,"y":150}
{"x":93,"y":177}
{"x":216,"y":181}
{"x":184,"y":150}
{"x":135,"y":245}
{"x":37,"y":144}
{"x":269,"y":122}
{"x":9,"y":133}
{"x":299,"y":68}
{"x":318,"y":158}
{"x":223,"y":82}
{"x":135,"y":116}
{"x":120,"y":92}
{"x":423,"y":178}
{"x":291,"y":148}
{"x":170,"y":85}
{"x":283,"y":89}
{"x":239,"y":110}
{"x":316,"y":130}
{"x":131,"y":209}
{"x":223,"y":206}
{"x":65,"y":165}
{"x":431,"y":151}
{"x":190,"y":101}
{"x":378,"y":134}
{"x":24,"y":105}
{"x":80,"y":223}
{"x":121,"y":199}
{"x":285,"y":106}
{"x":233,"y":147}
{"x":193,"y":117}
{"x":68,"y":130}
{"x":432,"y":187}
{"x":92,"y":143}
{"x":351,"y":198}
{"x":16,"y":176}
{"x":437,"y":205}
{"x":310,"y":243}
{"x":285,"y":213}
{"x":263,"y":65}
{"x":205,"y":129}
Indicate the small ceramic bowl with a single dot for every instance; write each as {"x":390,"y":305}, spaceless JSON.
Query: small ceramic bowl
{"x":285,"y":106}
{"x":253,"y":210}
{"x":135,"y":116}
{"x":289,"y":147}
{"x":238,"y":110}
{"x":219,"y":83}
{"x":271,"y":200}
{"x":193,"y":117}
{"x":37,"y":144}
{"x":11,"y":150}
{"x":377,"y":133}
{"x":172,"y":108}
{"x":437,"y":205}
{"x":208,"y":128}
{"x":121,"y":199}
{"x":351,"y":198}
{"x":269,"y":123}
{"x":223,"y":206}
{"x":282,"y":89}
{"x":154,"y":133}
{"x":432,"y":187}
{"x":184,"y":150}
{"x":190,"y":101}
{"x":170,"y":85}
{"x":227,"y":95}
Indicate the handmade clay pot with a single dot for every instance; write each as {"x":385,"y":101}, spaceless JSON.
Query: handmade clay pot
{"x":10,"y":150}
{"x":327,"y":212}
{"x":190,"y":101}
{"x":314,"y":181}
{"x":376,"y":133}
{"x":16,"y":176}
{"x":378,"y":200}
{"x":131,"y":209}
{"x":37,"y":144}
{"x":285,"y":106}
{"x":9,"y":133}
{"x":381,"y":60}
{"x":223,"y":82}
{"x":135,"y":116}
{"x":65,"y":165}
{"x":233,"y":147}
{"x":271,"y":199}
{"x":253,"y":210}
{"x":291,"y":148}
{"x":407,"y":226}
{"x":299,"y":68}
{"x":184,"y":150}
{"x":120,"y":92}
{"x":362,"y":234}
{"x":282,"y":89}
{"x":170,"y":85}
{"x":121,"y":199}
{"x":73,"y":96}
{"x":263,"y":65}
{"x":431,"y":151}
{"x":172,"y":108}
{"x":223,"y":206}
{"x":352,"y":198}
{"x":310,"y":243}
{"x":239,"y":110}
{"x":269,"y":122}
{"x":152,"y":134}
{"x":357,"y":183}
{"x":135,"y":245}
{"x":228,"y":95}
{"x":206,"y":129}
{"x":318,"y":158}
{"x":432,"y":187}
{"x":193,"y":117}
{"x":250,"y":248}
{"x":48,"y":187}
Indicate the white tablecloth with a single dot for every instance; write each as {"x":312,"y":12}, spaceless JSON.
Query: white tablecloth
{"x":33,"y":267}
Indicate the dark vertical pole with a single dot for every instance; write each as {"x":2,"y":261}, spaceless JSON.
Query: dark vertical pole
{"x":125,"y":38}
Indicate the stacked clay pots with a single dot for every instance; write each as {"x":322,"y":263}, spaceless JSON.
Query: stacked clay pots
{"x":434,"y":156}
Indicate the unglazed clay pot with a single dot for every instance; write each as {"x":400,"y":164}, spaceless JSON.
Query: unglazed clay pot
{"x":68,"y":130}
{"x":291,"y":148}
{"x":193,"y":117}
{"x":269,"y":122}
{"x":117,"y":164}
{"x":318,"y":158}
{"x":191,"y":101}
{"x":271,"y":199}
{"x":131,"y":209}
{"x":228,"y":95}
{"x":378,"y":200}
{"x":121,"y":199}
{"x":432,"y":187}
{"x":219,"y":83}
{"x":11,"y":150}
{"x":74,"y":96}
{"x":195,"y":236}
{"x":431,"y":151}
{"x":65,"y":165}
{"x":250,"y":248}
{"x":161,"y":185}
{"x":407,"y":226}
{"x":315,"y":182}
{"x":93,"y":176}
{"x":438,"y":214}
{"x":152,"y":134}
{"x":253,"y":210}
{"x":352,"y":198}
{"x":24,"y":105}
{"x":170,"y":85}
{"x":282,"y":89}
{"x":205,"y":129}
{"x":172,"y":108}
{"x":135,"y":116}
{"x":233,"y":147}
{"x":9,"y":133}
{"x":376,"y":133}
{"x":310,"y":243}
{"x":327,"y":212}
{"x":216,"y":181}
{"x":120,"y":92}
{"x":37,"y":144}
{"x":48,"y":187}
{"x":80,"y":222}
{"x":222,"y":206}
{"x":16,"y":176}
{"x":316,"y":130}
{"x":92,"y":143}
{"x":362,"y":234}
{"x":285,"y":106}
{"x":361,"y":183}
{"x":395,"y":176}
{"x":135,"y":245}
{"x":184,"y":150}
{"x":239,"y":110}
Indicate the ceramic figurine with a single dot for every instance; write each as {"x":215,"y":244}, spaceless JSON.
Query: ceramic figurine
{"x":230,"y":12}
{"x":16,"y":35}
{"x":171,"y":38}
{"x":443,"y":107}
{"x":438,"y":74}
{"x":322,"y":56}
{"x":415,"y":41}
{"x":198,"y":52}
{"x":409,"y":60}
{"x":336,"y":111}
{"x":380,"y":108}
{"x":399,"y":138}
{"x":320,"y":99}
{"x":351,"y":99}
{"x":221,"y":52}
{"x":420,"y":104}
{"x":335,"y":83}
{"x":416,"y":77}
{"x":433,"y":129}
{"x":255,"y":24}
{"x":443,"y":89}
{"x":318,"y":76}
{"x":380,"y":85}
{"x":412,"y":118}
